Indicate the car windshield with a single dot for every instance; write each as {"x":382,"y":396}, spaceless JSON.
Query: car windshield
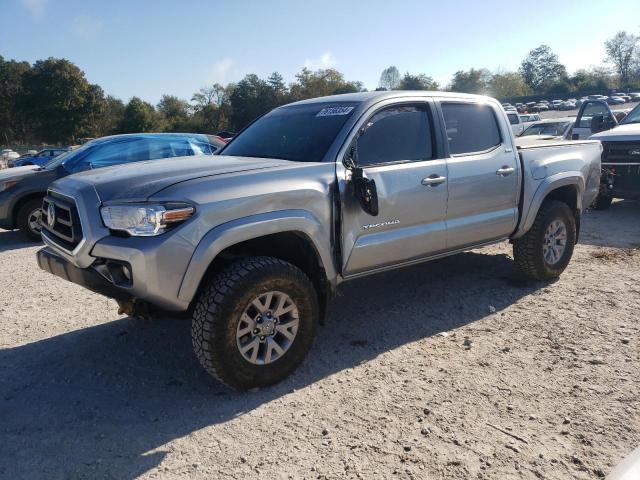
{"x":632,"y":117}
{"x":549,"y":128}
{"x":71,"y":154}
{"x":301,"y":133}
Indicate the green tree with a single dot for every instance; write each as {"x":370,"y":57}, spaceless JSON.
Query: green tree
{"x":321,"y":83}
{"x":111,"y":118}
{"x":175,"y":113}
{"x":250,"y":98}
{"x":13,"y":125}
{"x":508,"y":85}
{"x":211,"y":108}
{"x":57,"y":100}
{"x":390,"y":79}
{"x":417,"y":82}
{"x":471,"y":81}
{"x":139,"y":116}
{"x":598,"y":79}
{"x":541,"y":69}
{"x":621,"y":49}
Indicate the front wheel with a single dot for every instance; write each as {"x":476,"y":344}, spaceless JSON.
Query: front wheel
{"x":545,"y":250}
{"x":29,"y":218}
{"x":255,"y":322}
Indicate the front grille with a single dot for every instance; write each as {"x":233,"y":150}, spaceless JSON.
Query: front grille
{"x":621,"y":152}
{"x":60,"y":221}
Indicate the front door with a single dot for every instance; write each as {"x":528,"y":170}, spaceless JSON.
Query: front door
{"x":484,"y":174}
{"x":593,"y":117}
{"x":396,"y":149}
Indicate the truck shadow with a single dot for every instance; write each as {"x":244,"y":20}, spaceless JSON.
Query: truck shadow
{"x":618,"y":226}
{"x":102,"y":401}
{"x":13,"y":240}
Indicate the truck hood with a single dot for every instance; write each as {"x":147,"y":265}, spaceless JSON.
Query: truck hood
{"x":138,"y":181}
{"x":621,"y":133}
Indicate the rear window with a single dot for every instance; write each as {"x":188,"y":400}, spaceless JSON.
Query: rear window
{"x":301,"y":133}
{"x":471,"y":128}
{"x":513,"y":118}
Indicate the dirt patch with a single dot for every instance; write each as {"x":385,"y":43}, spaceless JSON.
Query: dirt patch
{"x":455,"y":369}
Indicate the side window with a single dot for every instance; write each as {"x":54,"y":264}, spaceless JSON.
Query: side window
{"x":471,"y":128}
{"x":395,"y":134}
{"x":513,"y":118}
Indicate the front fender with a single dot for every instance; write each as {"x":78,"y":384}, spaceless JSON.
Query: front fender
{"x":254,"y":226}
{"x":545,"y":187}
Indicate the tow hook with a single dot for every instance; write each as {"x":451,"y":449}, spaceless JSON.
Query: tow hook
{"x":132,"y":308}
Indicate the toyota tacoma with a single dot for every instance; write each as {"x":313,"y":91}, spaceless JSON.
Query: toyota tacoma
{"x":253,"y":242}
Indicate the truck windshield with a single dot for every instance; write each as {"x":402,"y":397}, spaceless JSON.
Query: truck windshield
{"x":632,"y":117}
{"x":301,"y":133}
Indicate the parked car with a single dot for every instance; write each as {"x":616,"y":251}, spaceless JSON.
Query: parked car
{"x":39,"y":158}
{"x":308,"y":196}
{"x":22,"y":188}
{"x":567,"y":106}
{"x":635,"y":97}
{"x":530,"y":117}
{"x":621,"y":150}
{"x":615,"y":101}
{"x":517,"y":125}
{"x":547,"y":129}
{"x":540,"y":107}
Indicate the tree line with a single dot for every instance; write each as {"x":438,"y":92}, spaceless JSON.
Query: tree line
{"x":52,"y":102}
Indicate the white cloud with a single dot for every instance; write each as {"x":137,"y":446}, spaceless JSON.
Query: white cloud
{"x":36,"y":7}
{"x":326,"y":60}
{"x":221,"y":70}
{"x":84,"y":26}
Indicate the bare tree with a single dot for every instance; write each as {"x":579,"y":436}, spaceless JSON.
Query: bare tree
{"x":389,"y":78}
{"x":620,"y":51}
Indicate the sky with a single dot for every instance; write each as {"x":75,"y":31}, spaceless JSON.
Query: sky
{"x":151,"y":47}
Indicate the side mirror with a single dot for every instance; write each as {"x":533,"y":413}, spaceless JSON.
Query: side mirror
{"x":364,"y":189}
{"x":366,"y":192}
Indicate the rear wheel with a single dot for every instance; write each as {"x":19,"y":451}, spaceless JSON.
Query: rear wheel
{"x":29,"y":217}
{"x":545,"y":250}
{"x":255,"y":322}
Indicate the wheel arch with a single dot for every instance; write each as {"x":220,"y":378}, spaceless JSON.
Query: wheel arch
{"x":294,"y":236}
{"x":17,"y":205}
{"x":566,"y":187}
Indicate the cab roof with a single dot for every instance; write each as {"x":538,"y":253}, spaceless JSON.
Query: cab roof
{"x":369,"y":98}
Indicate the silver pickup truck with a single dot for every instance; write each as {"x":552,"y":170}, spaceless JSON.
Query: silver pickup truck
{"x":254,"y":241}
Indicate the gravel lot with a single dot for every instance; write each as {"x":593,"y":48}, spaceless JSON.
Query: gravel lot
{"x":453,"y":369}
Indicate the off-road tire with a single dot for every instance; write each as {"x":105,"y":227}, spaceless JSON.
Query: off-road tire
{"x":222,"y":302}
{"x":22,"y":218}
{"x":602,"y":202}
{"x":528,"y":249}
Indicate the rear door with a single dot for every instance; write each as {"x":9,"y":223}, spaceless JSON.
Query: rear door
{"x":397,"y":148}
{"x":594,"y":116}
{"x":484,"y":174}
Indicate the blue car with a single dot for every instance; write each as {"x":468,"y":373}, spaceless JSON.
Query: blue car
{"x":39,"y":159}
{"x":22,"y":188}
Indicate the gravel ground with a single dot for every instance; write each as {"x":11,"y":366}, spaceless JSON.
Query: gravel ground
{"x":453,"y":369}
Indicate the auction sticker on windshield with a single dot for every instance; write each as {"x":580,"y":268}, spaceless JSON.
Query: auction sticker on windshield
{"x":331,"y":111}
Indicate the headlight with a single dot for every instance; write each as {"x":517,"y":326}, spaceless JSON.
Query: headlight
{"x":8,"y":184}
{"x":144,"y":220}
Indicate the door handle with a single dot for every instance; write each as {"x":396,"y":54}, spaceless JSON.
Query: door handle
{"x":504,"y":171}
{"x":433,"y":180}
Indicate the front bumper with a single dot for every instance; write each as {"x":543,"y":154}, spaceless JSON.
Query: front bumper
{"x":88,"y":278}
